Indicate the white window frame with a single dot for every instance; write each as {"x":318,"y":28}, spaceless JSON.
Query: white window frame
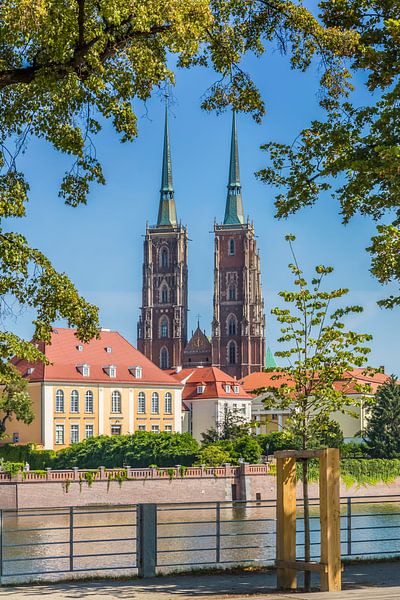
{"x":141,"y":405}
{"x":228,"y":388}
{"x":155,"y":429}
{"x":60,"y":399}
{"x":155,"y":403}
{"x":201,"y":389}
{"x":116,"y":402}
{"x":136,"y":371}
{"x":114,"y":426}
{"x":89,"y":402}
{"x":60,"y":429}
{"x":74,"y":401}
{"x":141,"y":427}
{"x":74,"y":429}
{"x":235,"y":389}
{"x":89,"y":428}
{"x":168,"y":403}
{"x":168,"y":428}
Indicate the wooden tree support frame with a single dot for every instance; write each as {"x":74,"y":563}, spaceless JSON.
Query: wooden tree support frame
{"x":330,"y":567}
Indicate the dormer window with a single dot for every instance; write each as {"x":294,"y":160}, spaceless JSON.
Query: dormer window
{"x":79,"y":348}
{"x":137,"y":372}
{"x":111,"y":370}
{"x":30,"y":370}
{"x":201,"y":389}
{"x":108,"y":349}
{"x":235,"y":389}
{"x":84,"y":370}
{"x":228,"y":388}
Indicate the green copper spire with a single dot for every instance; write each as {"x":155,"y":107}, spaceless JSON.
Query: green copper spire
{"x":270,"y":362}
{"x":167,"y":210}
{"x":234,"y":205}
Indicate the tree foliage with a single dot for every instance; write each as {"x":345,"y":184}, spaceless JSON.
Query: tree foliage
{"x":230,"y":425}
{"x":15,"y":403}
{"x":140,"y":449}
{"x":382,"y":433}
{"x":357,"y":145}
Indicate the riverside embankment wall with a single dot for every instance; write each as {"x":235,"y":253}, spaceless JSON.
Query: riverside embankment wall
{"x":71,"y":488}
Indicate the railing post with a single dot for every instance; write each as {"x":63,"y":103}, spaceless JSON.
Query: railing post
{"x":71,"y":538}
{"x":218,"y":533}
{"x":146,"y":544}
{"x":349,"y":526}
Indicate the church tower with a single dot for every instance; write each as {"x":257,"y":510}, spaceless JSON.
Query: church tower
{"x":162,"y":326}
{"x":238,"y":328}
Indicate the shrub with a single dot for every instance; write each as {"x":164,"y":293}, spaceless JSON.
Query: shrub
{"x":28,"y":453}
{"x":277,"y":440}
{"x":212,"y":455}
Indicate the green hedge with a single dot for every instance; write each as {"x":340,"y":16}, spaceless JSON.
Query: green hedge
{"x":28,"y":453}
{"x":359,"y":472}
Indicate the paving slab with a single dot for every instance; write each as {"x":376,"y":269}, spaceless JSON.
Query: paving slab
{"x":362,"y":581}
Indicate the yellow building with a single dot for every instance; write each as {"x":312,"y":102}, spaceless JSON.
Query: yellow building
{"x":105,"y":387}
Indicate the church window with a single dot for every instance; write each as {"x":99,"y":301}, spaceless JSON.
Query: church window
{"x":164,"y":360}
{"x":164,"y":258}
{"x":164,"y":294}
{"x":231,"y":250}
{"x":164,"y":327}
{"x":232,"y":325}
{"x":232,"y":353}
{"x":232,"y":292}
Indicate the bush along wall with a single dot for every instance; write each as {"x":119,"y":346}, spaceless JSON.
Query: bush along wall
{"x":28,"y":453}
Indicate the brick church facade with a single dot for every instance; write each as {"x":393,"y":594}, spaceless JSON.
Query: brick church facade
{"x":237,"y":345}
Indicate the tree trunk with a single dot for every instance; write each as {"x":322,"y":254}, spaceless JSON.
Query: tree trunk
{"x":307,"y":541}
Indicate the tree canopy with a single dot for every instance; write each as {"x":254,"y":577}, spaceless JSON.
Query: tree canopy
{"x":382,"y":433}
{"x":354,"y":152}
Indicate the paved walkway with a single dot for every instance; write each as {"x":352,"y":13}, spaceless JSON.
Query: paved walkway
{"x":365,"y":581}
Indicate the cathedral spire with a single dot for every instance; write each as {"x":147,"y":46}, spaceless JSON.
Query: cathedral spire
{"x":167,"y":210}
{"x":234,"y":205}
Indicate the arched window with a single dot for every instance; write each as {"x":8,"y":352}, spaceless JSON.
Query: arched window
{"x":155,"y":403}
{"x":89,"y":402}
{"x":232,"y":325}
{"x":141,"y":405}
{"x":74,"y":401}
{"x":231,"y":247}
{"x":59,"y":401}
{"x":164,"y":295}
{"x":164,"y":327}
{"x":164,"y":360}
{"x":232,"y":353}
{"x":164,"y":258}
{"x":116,"y":402}
{"x":168,"y":403}
{"x":232,"y":292}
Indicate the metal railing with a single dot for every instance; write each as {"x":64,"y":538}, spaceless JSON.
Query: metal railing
{"x":147,"y":538}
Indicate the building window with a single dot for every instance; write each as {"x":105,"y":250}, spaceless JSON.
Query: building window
{"x":164,"y":360}
{"x":74,"y":401}
{"x":232,"y":325}
{"x":168,"y":428}
{"x":137,"y":372}
{"x":235,"y":408}
{"x":227,"y":388}
{"x":243,"y":409}
{"x":80,"y":348}
{"x":141,"y":427}
{"x":231,"y":250}
{"x":111,"y":370}
{"x":59,"y":401}
{"x":201,"y":389}
{"x":235,"y":389}
{"x":59,"y":434}
{"x":84,"y":370}
{"x":164,"y":258}
{"x":141,"y":405}
{"x":232,"y":292}
{"x":88,"y":431}
{"x":164,"y":295}
{"x":155,"y":429}
{"x":116,"y":402}
{"x":232,"y":353}
{"x":155,"y":403}
{"x":89,"y":402}
{"x":164,"y":327}
{"x":108,"y":349}
{"x":74,"y":434}
{"x":115,"y":429}
{"x":168,"y":403}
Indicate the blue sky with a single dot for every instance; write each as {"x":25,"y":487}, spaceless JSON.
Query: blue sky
{"x":100,"y":245}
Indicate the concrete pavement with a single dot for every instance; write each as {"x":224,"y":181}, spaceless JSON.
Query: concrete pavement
{"x":363,"y":581}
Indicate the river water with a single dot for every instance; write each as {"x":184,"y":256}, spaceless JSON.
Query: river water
{"x":59,"y":543}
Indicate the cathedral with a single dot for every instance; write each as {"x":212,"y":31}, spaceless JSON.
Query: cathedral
{"x":237,"y":343}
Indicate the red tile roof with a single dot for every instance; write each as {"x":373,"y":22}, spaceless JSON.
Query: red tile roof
{"x":214,"y":381}
{"x":274,"y":379}
{"x":64,"y":356}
